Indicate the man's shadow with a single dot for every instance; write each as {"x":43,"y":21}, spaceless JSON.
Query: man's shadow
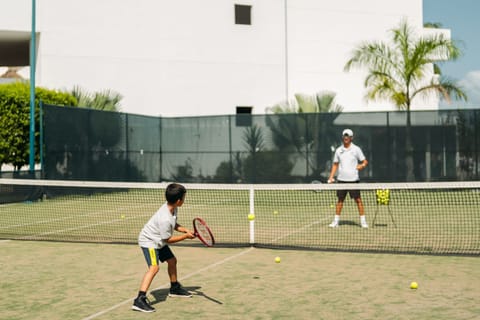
{"x":162,"y":294}
{"x":348,"y":223}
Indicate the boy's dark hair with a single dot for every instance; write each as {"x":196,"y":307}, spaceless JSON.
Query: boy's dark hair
{"x":174,"y":192}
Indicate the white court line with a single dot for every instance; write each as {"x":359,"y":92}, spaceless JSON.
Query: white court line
{"x":71,"y":215}
{"x":37,"y":235}
{"x":33,"y":237}
{"x":300,"y":230}
{"x":93,"y":316}
{"x":88,"y":214}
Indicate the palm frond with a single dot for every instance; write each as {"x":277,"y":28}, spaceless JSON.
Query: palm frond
{"x":306,"y":103}
{"x":445,"y":87}
{"x":106,"y":100}
{"x":433,"y":25}
{"x":326,"y":102}
{"x":253,"y":139}
{"x":398,"y":72}
{"x":370,"y":53}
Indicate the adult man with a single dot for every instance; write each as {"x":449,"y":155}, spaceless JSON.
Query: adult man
{"x":348,"y":159}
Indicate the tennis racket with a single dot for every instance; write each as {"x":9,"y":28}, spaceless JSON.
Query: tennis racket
{"x":203,"y":232}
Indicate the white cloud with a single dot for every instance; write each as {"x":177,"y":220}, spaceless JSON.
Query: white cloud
{"x":471,"y":85}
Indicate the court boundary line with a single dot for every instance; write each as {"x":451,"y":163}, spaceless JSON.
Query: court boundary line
{"x":69,"y":217}
{"x":320,"y":221}
{"x":38,"y":236}
{"x":166,"y":285}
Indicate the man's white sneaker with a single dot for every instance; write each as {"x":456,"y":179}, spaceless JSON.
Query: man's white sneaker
{"x":364,"y":225}
{"x":334,"y":224}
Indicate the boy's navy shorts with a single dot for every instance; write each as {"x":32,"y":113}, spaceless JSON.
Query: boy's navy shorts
{"x":154,"y":256}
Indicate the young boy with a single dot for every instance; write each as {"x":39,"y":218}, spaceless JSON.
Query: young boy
{"x":154,"y":239}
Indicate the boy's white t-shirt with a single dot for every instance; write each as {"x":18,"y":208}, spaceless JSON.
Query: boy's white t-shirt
{"x":158,"y":229}
{"x":348,"y":159}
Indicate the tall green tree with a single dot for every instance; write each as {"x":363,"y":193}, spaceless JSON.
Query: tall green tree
{"x":401,"y":70}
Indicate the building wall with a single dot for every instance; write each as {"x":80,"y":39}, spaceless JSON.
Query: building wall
{"x":322,"y":35}
{"x":188,"y":57}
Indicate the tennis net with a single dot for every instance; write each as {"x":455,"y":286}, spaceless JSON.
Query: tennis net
{"x":424,"y":218}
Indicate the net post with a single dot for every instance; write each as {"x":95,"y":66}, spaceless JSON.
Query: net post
{"x":252,"y":211}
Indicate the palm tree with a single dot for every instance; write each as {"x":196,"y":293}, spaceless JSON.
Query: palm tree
{"x":253,"y":139}
{"x":106,"y":100}
{"x":323,"y":101}
{"x":433,"y":25}
{"x":307,"y":130}
{"x":401,"y":71}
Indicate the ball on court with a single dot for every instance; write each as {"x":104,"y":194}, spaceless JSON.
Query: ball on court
{"x":413,"y":285}
{"x":251,"y":217}
{"x":277,"y":259}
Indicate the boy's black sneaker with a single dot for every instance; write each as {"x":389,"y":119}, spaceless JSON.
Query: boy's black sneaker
{"x":141,"y":304}
{"x":178,"y":291}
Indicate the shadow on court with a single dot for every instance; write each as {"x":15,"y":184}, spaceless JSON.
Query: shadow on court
{"x":348,"y":223}
{"x":161,"y":295}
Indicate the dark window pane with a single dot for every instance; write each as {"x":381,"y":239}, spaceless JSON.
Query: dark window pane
{"x":243,"y":14}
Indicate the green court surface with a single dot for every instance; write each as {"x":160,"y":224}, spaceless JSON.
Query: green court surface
{"x":58,"y":280}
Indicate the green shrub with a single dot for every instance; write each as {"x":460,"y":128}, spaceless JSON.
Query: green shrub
{"x":15,"y":120}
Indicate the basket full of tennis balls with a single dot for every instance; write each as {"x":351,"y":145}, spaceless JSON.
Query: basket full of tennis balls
{"x":383,"y":196}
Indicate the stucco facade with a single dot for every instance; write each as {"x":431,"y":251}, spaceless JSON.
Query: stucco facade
{"x":189,"y":57}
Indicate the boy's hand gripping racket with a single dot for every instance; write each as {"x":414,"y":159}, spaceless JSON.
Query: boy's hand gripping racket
{"x":203,"y":232}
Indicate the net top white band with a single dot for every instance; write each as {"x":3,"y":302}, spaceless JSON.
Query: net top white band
{"x":214,"y":186}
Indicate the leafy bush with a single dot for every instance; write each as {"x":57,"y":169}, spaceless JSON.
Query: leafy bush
{"x":15,"y":120}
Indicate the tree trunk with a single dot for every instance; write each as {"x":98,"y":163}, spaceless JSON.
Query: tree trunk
{"x":409,"y":164}
{"x":316,"y":145}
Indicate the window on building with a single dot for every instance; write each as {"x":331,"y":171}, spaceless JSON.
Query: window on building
{"x":14,"y":48}
{"x":244,"y":117}
{"x":243,"y":14}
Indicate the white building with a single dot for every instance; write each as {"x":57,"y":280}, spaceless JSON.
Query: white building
{"x":190,"y":57}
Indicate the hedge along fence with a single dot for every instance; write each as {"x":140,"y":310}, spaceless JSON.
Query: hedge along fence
{"x":15,"y":120}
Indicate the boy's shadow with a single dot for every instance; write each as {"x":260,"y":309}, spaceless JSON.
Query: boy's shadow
{"x":159,"y":295}
{"x":162,"y":294}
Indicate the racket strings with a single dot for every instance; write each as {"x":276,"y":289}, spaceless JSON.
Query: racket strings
{"x":203,"y":232}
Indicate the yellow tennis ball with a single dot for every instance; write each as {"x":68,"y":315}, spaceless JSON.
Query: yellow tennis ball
{"x":275,"y":212}
{"x":122,"y":216}
{"x":251,"y":217}
{"x":332,"y":206}
{"x":277,"y":259}
{"x":413,"y":285}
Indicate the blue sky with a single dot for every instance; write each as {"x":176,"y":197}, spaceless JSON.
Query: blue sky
{"x":463,"y":19}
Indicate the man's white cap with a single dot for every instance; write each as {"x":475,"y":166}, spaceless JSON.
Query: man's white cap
{"x":347,"y":132}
